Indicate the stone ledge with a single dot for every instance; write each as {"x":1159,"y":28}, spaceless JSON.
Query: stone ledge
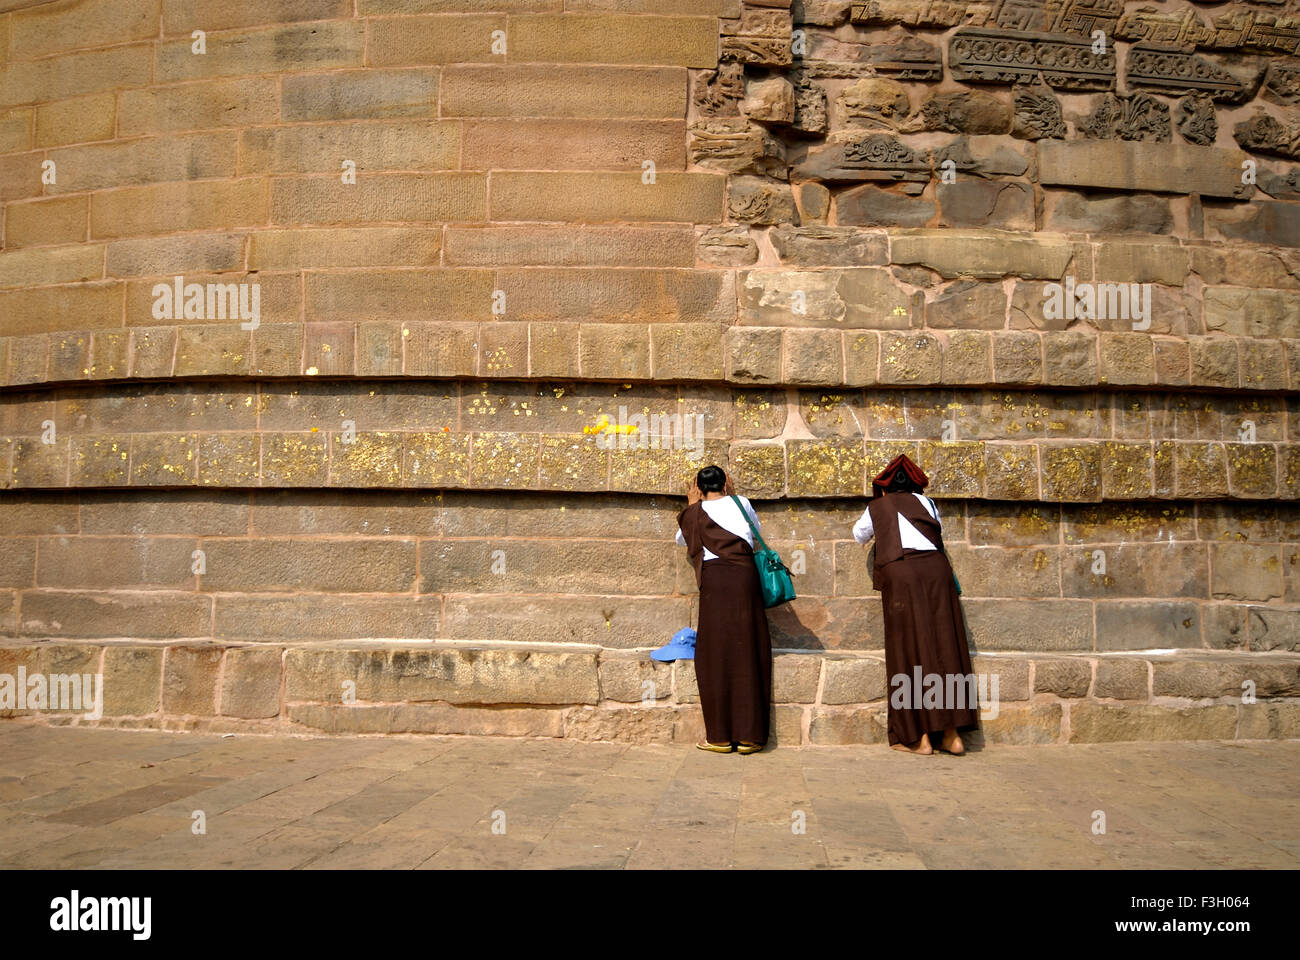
{"x":790,"y":351}
{"x":546,"y":691}
{"x":1065,"y":471}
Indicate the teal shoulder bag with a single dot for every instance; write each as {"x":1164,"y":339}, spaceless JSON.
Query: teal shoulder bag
{"x":773,"y":575}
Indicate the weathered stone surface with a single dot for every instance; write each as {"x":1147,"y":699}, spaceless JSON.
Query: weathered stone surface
{"x":751,"y":200}
{"x":821,"y":246}
{"x":1103,"y":723}
{"x":971,"y":111}
{"x":727,"y":247}
{"x":1001,"y":204}
{"x":1070,"y":211}
{"x":871,"y":206}
{"x":854,"y":681}
{"x":1141,"y":166}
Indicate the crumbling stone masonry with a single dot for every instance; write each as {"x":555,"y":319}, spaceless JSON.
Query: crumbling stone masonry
{"x":353,"y":353}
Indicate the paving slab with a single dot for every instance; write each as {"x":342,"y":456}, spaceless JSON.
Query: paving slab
{"x":107,"y":799}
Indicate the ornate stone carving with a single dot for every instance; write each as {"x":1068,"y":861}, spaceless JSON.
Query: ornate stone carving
{"x":971,"y":111}
{"x":1003,"y":162}
{"x":810,"y":114}
{"x":735,"y":145}
{"x":763,"y":51}
{"x":1249,"y":30}
{"x":752,"y":200}
{"x":898,"y":56}
{"x":769,"y":101}
{"x":875,"y":156}
{"x":1183,"y":30}
{"x":908,"y":58}
{"x":1235,"y":30}
{"x":1024,"y":15}
{"x":1282,"y":81}
{"x":1263,"y":133}
{"x":1139,"y":117}
{"x":1037,"y":114}
{"x":1172,"y":71}
{"x":718,"y":92}
{"x":922,"y":13}
{"x":1197,"y":121}
{"x":978,"y":55}
{"x":876,"y":100}
{"x":1082,"y":17}
{"x":760,"y":37}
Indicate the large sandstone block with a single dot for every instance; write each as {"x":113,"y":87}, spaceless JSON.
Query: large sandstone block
{"x":250,"y":682}
{"x":372,"y":146}
{"x":1140,"y":165}
{"x":78,"y":120}
{"x":372,"y":566}
{"x":191,"y":677}
{"x":233,"y":102}
{"x":56,"y":220}
{"x":596,"y":197}
{"x":359,"y":94}
{"x":307,"y":617}
{"x":77,"y":73}
{"x":183,"y":16}
{"x":209,"y":205}
{"x":983,"y":255}
{"x":586,"y":90}
{"x":836,"y":727}
{"x":455,"y":675}
{"x":559,"y":143}
{"x":488,"y":567}
{"x":856,"y":680}
{"x":51,"y":265}
{"x":258,"y":51}
{"x":132,"y":680}
{"x":1252,"y":313}
{"x":1032,"y":625}
{"x":864,"y":297}
{"x":620,"y":622}
{"x":383,"y":197}
{"x":614,"y":38}
{"x":577,"y":245}
{"x":1023,"y":724}
{"x":1105,"y":723}
{"x":78,"y":306}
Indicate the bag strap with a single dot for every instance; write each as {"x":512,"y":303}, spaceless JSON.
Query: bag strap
{"x":752,"y":529}
{"x":943,"y":547}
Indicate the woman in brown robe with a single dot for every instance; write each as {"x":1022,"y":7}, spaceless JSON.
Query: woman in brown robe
{"x":733,"y":650}
{"x":925,"y":632}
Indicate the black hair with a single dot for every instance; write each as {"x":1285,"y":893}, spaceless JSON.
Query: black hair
{"x":900,"y":482}
{"x":711,"y":480}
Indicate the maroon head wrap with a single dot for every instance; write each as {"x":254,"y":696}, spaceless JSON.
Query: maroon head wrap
{"x":900,"y":464}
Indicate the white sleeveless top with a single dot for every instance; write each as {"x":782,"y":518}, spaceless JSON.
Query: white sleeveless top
{"x":727,"y":515}
{"x":911,"y":537}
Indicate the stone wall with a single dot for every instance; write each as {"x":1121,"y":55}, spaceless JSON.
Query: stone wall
{"x":522,"y":265}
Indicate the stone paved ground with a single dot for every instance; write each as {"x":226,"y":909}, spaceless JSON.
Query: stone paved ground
{"x":102,"y":798}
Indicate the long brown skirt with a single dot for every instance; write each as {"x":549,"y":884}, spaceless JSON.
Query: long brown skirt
{"x":925,"y":629}
{"x":733,"y":654}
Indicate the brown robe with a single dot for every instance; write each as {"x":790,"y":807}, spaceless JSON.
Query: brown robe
{"x":733,"y":649}
{"x":925,"y":632}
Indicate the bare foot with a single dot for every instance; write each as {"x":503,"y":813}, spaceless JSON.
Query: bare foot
{"x":920,"y":748}
{"x":951,"y":742}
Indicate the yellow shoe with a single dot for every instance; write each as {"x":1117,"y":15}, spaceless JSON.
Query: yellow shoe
{"x":749,"y":747}
{"x":716,"y":747}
